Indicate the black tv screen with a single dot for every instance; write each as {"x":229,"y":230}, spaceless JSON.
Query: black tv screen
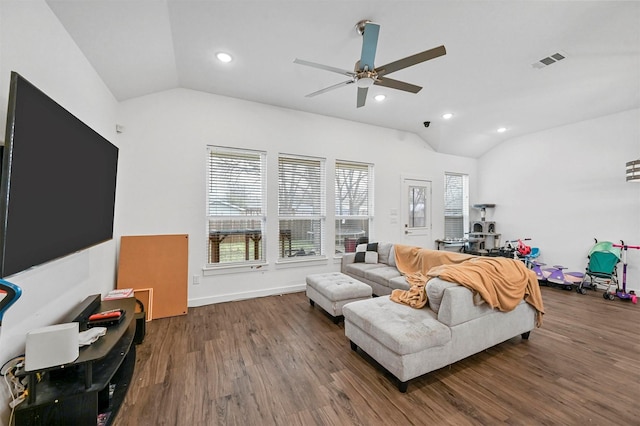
{"x":58,"y":182}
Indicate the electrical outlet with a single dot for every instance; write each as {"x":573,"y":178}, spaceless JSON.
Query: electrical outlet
{"x":196,"y":279}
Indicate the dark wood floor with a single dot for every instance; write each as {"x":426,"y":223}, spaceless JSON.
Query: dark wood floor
{"x":278,"y":361}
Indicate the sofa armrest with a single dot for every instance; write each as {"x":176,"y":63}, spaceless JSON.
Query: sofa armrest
{"x":347,"y":259}
{"x":457,"y":306}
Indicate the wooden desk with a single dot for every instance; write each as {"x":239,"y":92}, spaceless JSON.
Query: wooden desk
{"x":285,"y":235}
{"x":452,"y":243}
{"x":216,"y":237}
{"x":250,"y":235}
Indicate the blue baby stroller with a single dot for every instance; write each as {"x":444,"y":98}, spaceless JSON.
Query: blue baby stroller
{"x":601,"y":269}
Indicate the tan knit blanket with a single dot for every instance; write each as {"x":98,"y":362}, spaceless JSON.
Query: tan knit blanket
{"x":500,"y":282}
{"x":411,"y":259}
{"x":415,"y":263}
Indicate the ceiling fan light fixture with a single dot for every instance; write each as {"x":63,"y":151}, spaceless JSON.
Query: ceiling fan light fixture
{"x":365,"y":74}
{"x":365,"y":82}
{"x":224,"y":57}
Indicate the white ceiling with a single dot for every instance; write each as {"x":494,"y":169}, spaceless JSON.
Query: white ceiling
{"x":486,"y":78}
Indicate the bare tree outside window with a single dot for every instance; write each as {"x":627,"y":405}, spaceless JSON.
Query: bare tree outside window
{"x":301,"y":206}
{"x":353,"y":204}
{"x":417,"y":206}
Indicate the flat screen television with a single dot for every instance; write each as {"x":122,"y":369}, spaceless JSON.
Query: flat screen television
{"x":58,"y":182}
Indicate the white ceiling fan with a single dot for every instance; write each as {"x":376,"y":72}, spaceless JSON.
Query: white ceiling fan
{"x":365,"y":74}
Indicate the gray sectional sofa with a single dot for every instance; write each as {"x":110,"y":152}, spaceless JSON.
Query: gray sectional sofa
{"x":382,"y":275}
{"x":410,"y":342}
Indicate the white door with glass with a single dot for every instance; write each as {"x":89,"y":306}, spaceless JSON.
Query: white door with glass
{"x":416,"y":212}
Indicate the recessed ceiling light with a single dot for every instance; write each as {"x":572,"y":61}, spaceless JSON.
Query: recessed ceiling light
{"x":502,"y":129}
{"x":379,"y":98}
{"x":223,"y":57}
{"x":447,"y":116}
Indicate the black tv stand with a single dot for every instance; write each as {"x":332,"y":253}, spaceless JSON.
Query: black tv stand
{"x":94,"y":384}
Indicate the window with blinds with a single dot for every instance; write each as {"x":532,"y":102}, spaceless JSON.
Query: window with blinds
{"x":353,"y":203}
{"x":301,"y":206}
{"x":456,"y":205}
{"x":236,"y":205}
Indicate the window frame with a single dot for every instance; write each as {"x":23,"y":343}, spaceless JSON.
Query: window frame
{"x":254,"y":237}
{"x":463,"y":216}
{"x":289,"y":250}
{"x":350,"y":240}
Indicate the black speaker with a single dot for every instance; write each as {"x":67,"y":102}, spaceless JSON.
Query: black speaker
{"x":141,"y":322}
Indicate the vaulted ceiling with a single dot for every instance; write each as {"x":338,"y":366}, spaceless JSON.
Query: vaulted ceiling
{"x":489,"y":78}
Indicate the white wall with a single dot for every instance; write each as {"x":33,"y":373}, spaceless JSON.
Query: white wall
{"x":163,"y":149}
{"x":566,"y":186}
{"x":33,"y":43}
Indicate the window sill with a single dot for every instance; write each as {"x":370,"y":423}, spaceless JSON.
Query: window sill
{"x":232,"y":269}
{"x":301,"y":262}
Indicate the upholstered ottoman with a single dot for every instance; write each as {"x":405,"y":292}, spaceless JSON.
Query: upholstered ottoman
{"x":334,"y":290}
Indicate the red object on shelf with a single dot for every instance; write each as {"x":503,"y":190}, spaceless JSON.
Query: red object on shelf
{"x":106,"y":315}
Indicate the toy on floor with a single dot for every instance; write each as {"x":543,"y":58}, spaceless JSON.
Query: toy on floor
{"x":622,"y":293}
{"x":517,"y":249}
{"x":528,"y":258}
{"x":601,"y":269}
{"x":556,"y":275}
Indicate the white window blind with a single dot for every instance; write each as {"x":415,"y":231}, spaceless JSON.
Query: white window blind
{"x":301,"y":206}
{"x":456,"y":205}
{"x":236,"y":205}
{"x":353,"y":204}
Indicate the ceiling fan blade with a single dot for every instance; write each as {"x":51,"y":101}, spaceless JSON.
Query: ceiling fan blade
{"x":395,"y":84}
{"x":411,"y":60}
{"x":369,"y":46}
{"x":324,"y":67}
{"x":362,"y":96}
{"x":327,"y":89}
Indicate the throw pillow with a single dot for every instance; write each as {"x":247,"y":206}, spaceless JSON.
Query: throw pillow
{"x":383,"y":252}
{"x":366,"y":253}
{"x":371,"y":257}
{"x":392,"y":256}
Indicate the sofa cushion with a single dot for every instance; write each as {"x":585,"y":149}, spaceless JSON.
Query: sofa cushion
{"x":358,"y":269}
{"x":400,"y":283}
{"x":382,"y":275}
{"x":392,"y":256}
{"x":435,"y":291}
{"x":398,"y":327}
{"x":383,"y":252}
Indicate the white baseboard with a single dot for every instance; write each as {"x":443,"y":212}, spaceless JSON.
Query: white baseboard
{"x":210,"y":300}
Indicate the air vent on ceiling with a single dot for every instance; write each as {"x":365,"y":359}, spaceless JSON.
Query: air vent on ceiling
{"x":552,"y":59}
